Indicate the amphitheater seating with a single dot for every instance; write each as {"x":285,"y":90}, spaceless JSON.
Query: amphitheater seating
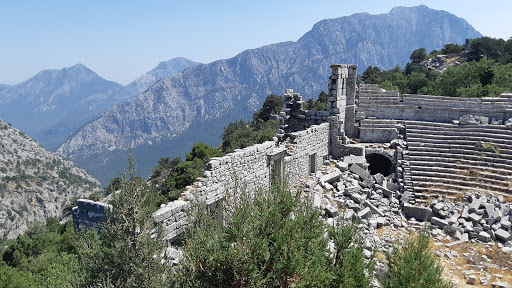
{"x":448,"y":159}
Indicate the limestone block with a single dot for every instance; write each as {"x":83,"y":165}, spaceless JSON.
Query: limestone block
{"x":484,"y":237}
{"x":417,"y":212}
{"x":439,"y":222}
{"x":365,"y":213}
{"x":331,"y":211}
{"x":475,"y":218}
{"x":505,"y":224}
{"x":503,"y":235}
{"x":373,"y":209}
{"x":360,"y":171}
{"x":89,"y":205}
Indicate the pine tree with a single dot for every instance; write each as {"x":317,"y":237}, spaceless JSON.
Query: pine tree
{"x":126,"y":252}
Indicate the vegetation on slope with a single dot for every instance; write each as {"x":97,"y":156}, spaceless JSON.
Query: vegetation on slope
{"x":486,"y":71}
{"x":282,"y":246}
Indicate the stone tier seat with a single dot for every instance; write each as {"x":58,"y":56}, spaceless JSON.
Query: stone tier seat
{"x":471,"y":181}
{"x":446,"y":158}
{"x":429,"y":159}
{"x":460,"y":142}
{"x":425,"y":181}
{"x":495,"y":173}
{"x":465,"y":154}
{"x":496,"y":151}
{"x":496,"y":179}
{"x":381,"y":123}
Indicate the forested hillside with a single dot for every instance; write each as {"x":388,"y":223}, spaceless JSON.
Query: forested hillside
{"x":484,"y":70}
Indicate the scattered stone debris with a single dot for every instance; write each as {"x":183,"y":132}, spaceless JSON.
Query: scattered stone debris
{"x":476,"y":219}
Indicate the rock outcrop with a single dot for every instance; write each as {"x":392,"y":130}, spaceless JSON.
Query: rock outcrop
{"x":34,"y":183}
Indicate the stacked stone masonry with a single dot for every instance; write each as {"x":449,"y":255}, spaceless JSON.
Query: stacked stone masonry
{"x":87,"y":214}
{"x":252,"y":168}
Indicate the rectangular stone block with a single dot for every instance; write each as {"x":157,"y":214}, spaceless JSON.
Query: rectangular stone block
{"x":360,"y":171}
{"x":417,"y":212}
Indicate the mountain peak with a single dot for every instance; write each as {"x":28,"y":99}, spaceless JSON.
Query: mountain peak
{"x":200,"y":100}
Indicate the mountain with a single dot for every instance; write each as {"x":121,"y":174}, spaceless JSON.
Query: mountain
{"x":139,"y":85}
{"x":2,"y":86}
{"x":53,"y":104}
{"x":34,"y":183}
{"x":196,"y":104}
{"x":47,"y":106}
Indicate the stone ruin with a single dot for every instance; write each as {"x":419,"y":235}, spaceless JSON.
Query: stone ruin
{"x":380,"y":157}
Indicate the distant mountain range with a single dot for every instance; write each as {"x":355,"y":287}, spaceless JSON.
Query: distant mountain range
{"x":54,"y":103}
{"x":34,"y":183}
{"x":195,"y":105}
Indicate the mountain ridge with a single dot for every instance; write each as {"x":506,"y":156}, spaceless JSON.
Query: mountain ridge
{"x":232,"y":89}
{"x":54,"y":103}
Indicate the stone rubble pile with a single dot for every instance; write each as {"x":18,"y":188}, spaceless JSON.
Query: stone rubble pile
{"x":348,"y":191}
{"x":375,"y":201}
{"x":470,"y":119}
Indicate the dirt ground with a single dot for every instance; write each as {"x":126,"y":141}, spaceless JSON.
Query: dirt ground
{"x":461,"y":260}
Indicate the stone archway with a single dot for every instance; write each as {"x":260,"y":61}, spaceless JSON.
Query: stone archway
{"x":379,"y":164}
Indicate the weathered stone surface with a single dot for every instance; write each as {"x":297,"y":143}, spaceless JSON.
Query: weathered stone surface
{"x":484,"y":237}
{"x":360,"y":171}
{"x":365,"y":213}
{"x":438,"y":222}
{"x":503,"y":235}
{"x":417,"y":212}
{"x":331,"y":211}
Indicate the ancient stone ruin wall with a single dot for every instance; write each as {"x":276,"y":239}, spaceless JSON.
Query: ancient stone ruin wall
{"x":88,"y":213}
{"x":380,"y":112}
{"x":251,"y":167}
{"x":307,"y":150}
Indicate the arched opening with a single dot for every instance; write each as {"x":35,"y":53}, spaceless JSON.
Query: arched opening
{"x":379,"y":164}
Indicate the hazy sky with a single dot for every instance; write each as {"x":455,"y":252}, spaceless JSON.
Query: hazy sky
{"x":121,"y":40}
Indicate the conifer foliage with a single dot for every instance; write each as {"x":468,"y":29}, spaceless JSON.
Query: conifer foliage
{"x":127,"y":251}
{"x":413,"y":265}
{"x":283,"y":245}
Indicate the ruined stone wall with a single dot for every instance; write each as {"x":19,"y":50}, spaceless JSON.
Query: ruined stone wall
{"x":383,"y":104}
{"x":381,"y":113}
{"x":88,"y":213}
{"x":306,"y":145}
{"x":251,"y":167}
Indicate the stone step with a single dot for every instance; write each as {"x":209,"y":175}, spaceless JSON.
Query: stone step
{"x":505,"y":174}
{"x":446,"y":99}
{"x":503,"y":136}
{"x":435,"y":187}
{"x":468,"y":185}
{"x":493,"y":149}
{"x":471,"y":141}
{"x":423,"y":125}
{"x":463,"y":155}
{"x":461,"y":177}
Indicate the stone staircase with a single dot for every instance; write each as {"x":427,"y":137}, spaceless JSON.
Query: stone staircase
{"x":449,"y":159}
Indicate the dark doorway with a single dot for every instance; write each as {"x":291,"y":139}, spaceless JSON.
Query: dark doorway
{"x":312,"y":163}
{"x":379,"y":164}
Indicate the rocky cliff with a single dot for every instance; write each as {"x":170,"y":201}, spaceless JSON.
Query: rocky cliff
{"x":34,"y":183}
{"x":214,"y":94}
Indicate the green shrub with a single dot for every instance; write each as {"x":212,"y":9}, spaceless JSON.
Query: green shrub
{"x":283,"y":245}
{"x":411,"y":264}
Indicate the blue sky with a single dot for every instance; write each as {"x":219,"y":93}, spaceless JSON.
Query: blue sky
{"x":121,"y":40}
